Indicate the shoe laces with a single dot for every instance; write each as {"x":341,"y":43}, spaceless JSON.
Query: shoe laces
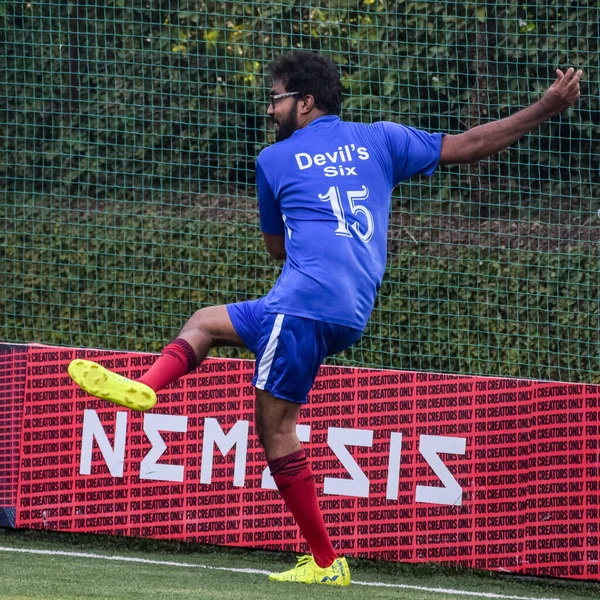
{"x":304,"y":560}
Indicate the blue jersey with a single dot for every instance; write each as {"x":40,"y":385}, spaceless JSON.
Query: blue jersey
{"x":327,"y":188}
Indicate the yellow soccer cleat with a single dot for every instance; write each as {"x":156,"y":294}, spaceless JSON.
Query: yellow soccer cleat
{"x":308,"y":571}
{"x":104,"y":384}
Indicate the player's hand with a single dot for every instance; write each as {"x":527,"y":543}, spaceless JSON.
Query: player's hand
{"x":564,"y":92}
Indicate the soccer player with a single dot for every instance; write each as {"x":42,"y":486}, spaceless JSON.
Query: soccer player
{"x":324,"y":192}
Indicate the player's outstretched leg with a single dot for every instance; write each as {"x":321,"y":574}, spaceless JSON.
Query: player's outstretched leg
{"x":308,"y":571}
{"x":104,"y":384}
{"x":208,"y":327}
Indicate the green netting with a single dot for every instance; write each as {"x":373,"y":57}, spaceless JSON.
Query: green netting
{"x":130,"y":131}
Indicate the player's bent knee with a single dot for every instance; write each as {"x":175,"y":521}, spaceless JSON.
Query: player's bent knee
{"x":272,"y":433}
{"x":273,"y":440}
{"x":200,"y":320}
{"x":215,"y":324}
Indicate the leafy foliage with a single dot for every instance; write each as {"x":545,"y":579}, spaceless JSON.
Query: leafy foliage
{"x":130,"y":131}
{"x":96,"y":279}
{"x":112,"y":100}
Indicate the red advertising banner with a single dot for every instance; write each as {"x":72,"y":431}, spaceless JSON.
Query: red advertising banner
{"x":13,"y":362}
{"x":482,"y":472}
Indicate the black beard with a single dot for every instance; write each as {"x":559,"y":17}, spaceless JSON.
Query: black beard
{"x":287,"y":127}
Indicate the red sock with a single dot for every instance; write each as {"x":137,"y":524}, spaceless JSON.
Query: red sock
{"x":296,"y":484}
{"x":177,"y":359}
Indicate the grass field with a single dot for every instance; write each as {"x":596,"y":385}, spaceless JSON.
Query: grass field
{"x":59,"y":566}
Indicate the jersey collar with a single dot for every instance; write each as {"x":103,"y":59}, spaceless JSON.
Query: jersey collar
{"x":325,"y":120}
{"x":317,"y":123}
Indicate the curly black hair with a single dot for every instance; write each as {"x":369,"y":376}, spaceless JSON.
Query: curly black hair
{"x":310,"y":73}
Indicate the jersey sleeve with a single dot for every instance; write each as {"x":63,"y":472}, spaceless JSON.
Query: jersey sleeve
{"x":271,"y":220}
{"x":414,"y":151}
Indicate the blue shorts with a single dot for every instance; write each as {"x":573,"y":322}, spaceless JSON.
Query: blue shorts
{"x":289,"y":350}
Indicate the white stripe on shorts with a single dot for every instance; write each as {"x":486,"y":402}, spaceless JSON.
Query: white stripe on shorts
{"x":266,"y":361}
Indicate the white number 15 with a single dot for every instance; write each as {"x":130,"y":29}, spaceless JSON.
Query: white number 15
{"x":333,"y":197}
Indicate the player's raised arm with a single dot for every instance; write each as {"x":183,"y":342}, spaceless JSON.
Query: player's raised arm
{"x":486,"y":140}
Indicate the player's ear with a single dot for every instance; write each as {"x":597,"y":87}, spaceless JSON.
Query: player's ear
{"x":307,"y":103}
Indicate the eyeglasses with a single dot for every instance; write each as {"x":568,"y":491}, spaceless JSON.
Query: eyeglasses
{"x":275,"y":98}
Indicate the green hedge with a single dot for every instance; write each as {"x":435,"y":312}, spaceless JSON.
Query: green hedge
{"x":118,"y":100}
{"x":85,"y":278}
{"x":129,"y":135}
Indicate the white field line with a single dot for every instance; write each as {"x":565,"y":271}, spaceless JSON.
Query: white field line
{"x":169,"y":563}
